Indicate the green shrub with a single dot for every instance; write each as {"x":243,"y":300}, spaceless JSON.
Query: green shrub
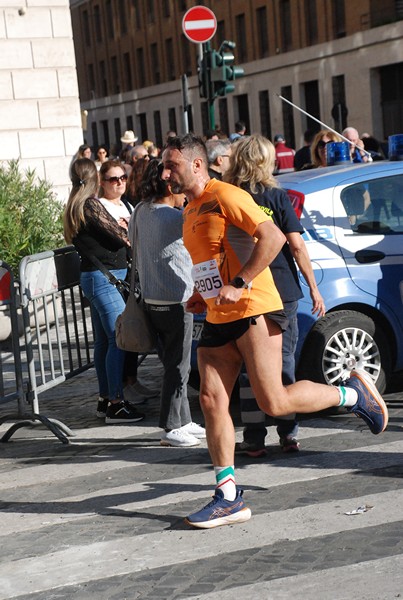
{"x":31,"y":217}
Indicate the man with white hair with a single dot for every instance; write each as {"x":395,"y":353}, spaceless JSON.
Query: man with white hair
{"x":357,"y":153}
{"x":218,"y":153}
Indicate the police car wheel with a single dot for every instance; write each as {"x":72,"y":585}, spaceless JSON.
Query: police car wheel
{"x":342,"y":341}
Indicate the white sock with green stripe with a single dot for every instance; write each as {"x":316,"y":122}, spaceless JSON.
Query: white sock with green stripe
{"x":225,"y":477}
{"x":348,"y":396}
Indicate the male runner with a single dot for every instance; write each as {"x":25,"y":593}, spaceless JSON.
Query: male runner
{"x":231,"y":242}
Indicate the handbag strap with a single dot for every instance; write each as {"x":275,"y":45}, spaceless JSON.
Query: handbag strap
{"x":121,"y":285}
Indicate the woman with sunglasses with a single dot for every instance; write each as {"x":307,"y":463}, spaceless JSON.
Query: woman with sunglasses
{"x":102,"y":155}
{"x":318,"y":147}
{"x":101,"y":240}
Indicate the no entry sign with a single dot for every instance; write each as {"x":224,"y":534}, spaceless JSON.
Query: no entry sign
{"x":199,"y":24}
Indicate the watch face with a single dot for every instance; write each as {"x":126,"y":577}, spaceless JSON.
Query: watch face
{"x":238,"y":282}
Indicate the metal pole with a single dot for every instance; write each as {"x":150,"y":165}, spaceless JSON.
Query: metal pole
{"x":185,"y":97}
{"x":210,"y":100}
{"x":323,"y":125}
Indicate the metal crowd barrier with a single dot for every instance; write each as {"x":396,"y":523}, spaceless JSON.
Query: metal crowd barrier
{"x":11,"y":382}
{"x":57,"y":334}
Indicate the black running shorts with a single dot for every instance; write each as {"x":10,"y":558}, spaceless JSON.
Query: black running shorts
{"x":215,"y":335}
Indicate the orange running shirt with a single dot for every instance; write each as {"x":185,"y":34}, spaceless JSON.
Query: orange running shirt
{"x":218,"y":234}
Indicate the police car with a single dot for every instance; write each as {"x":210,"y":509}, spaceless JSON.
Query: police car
{"x":353,"y":221}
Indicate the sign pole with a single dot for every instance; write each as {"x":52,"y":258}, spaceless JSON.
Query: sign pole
{"x":185,"y":96}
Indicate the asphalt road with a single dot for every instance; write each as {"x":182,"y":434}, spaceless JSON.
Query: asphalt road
{"x":102,"y":517}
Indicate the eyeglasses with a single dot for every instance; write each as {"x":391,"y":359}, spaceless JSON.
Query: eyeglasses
{"x":116,"y":179}
{"x":322,"y":144}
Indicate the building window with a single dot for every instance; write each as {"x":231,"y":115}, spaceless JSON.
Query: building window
{"x":311,"y":22}
{"x":116,"y":123}
{"x":243,"y":109}
{"x":169,"y":53}
{"x":391,"y":80}
{"x":285,"y":22}
{"x":103,"y":78}
{"x":105,"y":131}
{"x":94,"y":135}
{"x":123,"y":16}
{"x":140,"y":67}
{"x":264,"y":109}
{"x":339,"y":18}
{"x":137,"y":10}
{"x":339,"y":109}
{"x":241,"y":44}
{"x":150,"y":11}
{"x":97,"y":23}
{"x":156,"y":73}
{"x":223,"y":113}
{"x":261,"y":22}
{"x":311,"y":89}
{"x":86,"y":28}
{"x":109,"y":19}
{"x":143,"y":126}
{"x":205,"y":116}
{"x":91,"y":80}
{"x":129,"y":123}
{"x":288,"y":117}
{"x":127,"y":72}
{"x":172,"y":119}
{"x":115,"y":75}
{"x":157,"y":128}
{"x":220,"y":35}
{"x":166,"y":9}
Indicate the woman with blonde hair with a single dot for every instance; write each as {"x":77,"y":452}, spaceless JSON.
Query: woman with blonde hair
{"x":318,"y":147}
{"x":252,"y":163}
{"x":102,"y":245}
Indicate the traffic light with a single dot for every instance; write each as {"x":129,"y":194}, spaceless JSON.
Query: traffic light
{"x":223,"y":70}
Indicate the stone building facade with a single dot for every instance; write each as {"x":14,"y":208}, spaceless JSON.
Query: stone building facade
{"x":40,"y":115}
{"x":340,"y":61}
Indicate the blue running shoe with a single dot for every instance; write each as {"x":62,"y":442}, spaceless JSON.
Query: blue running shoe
{"x":220,"y":512}
{"x":370,"y":405}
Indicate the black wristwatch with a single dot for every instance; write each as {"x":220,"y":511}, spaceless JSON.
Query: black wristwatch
{"x":238,"y":283}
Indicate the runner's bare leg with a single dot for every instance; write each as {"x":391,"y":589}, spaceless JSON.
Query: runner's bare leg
{"x":219,"y":369}
{"x":260,"y":347}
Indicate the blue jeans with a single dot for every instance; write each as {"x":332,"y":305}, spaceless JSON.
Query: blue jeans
{"x":174,"y":327}
{"x":252,"y":417}
{"x":106,"y":304}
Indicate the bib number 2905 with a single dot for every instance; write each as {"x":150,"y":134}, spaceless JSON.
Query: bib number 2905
{"x":207,"y":278}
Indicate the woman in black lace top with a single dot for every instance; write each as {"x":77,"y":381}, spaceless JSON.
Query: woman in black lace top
{"x":95,"y":233}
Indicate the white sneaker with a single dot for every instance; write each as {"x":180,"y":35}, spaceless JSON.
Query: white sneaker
{"x":194,"y":429}
{"x":178,"y":438}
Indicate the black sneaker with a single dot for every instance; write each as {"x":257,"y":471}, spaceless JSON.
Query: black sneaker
{"x":252,"y":450}
{"x":122,"y":412}
{"x":289,"y":444}
{"x":102,"y":407}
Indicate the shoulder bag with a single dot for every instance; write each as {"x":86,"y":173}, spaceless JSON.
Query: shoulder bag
{"x":134,"y":332}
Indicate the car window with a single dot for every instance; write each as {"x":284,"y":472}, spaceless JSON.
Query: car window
{"x":375,"y":206}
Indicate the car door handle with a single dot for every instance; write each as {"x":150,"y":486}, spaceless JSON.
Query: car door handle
{"x":369,"y":256}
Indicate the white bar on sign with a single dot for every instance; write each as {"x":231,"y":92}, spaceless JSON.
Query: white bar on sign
{"x":206,"y":24}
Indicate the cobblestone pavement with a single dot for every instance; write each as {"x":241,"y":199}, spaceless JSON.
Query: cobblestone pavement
{"x":102,"y":517}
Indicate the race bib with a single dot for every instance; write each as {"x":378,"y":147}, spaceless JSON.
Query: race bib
{"x":207,"y":278}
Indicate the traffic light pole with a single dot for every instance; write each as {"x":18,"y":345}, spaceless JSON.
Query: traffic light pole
{"x":216,"y":74}
{"x":210,"y":100}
